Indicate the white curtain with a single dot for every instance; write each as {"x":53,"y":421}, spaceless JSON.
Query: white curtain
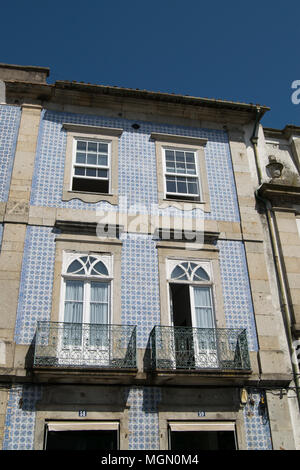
{"x":73,"y":313}
{"x":99,"y":313}
{"x":203,"y":307}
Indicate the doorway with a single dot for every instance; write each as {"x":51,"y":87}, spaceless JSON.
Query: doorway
{"x":203,"y":440}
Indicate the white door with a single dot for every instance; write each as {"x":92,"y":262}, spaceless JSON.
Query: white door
{"x":85,"y":339}
{"x":204,"y":331}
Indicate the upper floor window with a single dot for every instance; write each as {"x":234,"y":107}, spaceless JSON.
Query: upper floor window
{"x":181,"y":171}
{"x":91,"y":166}
{"x":181,"y":174}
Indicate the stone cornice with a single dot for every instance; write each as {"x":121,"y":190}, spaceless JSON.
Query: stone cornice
{"x":82,"y":94}
{"x":279,"y":194}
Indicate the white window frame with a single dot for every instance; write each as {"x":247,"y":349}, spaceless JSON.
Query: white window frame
{"x":206,"y":265}
{"x":91,"y":133}
{"x":189,"y":197}
{"x":108,"y":262}
{"x":93,"y":178}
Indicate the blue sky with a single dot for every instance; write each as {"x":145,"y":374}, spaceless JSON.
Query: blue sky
{"x":232,"y":50}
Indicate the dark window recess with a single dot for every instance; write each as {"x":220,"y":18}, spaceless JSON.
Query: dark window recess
{"x":182,"y":198}
{"x":203,"y":440}
{"x":82,"y":440}
{"x":90,"y":185}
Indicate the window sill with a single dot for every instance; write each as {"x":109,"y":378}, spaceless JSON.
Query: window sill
{"x":90,"y":197}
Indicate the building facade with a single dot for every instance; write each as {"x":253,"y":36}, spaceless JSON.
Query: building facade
{"x":140,"y":306}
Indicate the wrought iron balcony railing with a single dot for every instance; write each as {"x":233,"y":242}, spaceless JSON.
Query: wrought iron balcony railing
{"x":79,"y":345}
{"x":173,"y":348}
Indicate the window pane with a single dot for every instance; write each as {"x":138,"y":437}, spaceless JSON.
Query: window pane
{"x":102,"y":173}
{"x":103,"y":148}
{"x":189,"y":157}
{"x":178,"y":273}
{"x":99,"y":269}
{"x":91,"y":172}
{"x":92,"y":159}
{"x":179,"y":156}
{"x":81,"y":145}
{"x":80,"y":157}
{"x":201,"y":274}
{"x":102,"y":160}
{"x":171,"y":185}
{"x":181,"y":185}
{"x":75,"y":268}
{"x":170,"y":155}
{"x":79,"y":171}
{"x":170,"y":166}
{"x":74,"y":291}
{"x":192,"y":188}
{"x":191,"y":169}
{"x":92,"y":146}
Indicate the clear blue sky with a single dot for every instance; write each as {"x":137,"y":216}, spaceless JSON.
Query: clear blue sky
{"x":231,"y":50}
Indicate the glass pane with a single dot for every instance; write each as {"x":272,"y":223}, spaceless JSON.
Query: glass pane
{"x":75,"y":268}
{"x":189,"y":157}
{"x":80,"y":157}
{"x":99,"y":292}
{"x":202,"y":297}
{"x":91,"y":172}
{"x":74,"y":290}
{"x":92,"y":146}
{"x":92,"y":159}
{"x":102,"y":160}
{"x":102,"y":173}
{"x":79,"y":171}
{"x":179,"y":156}
{"x":170,"y":155}
{"x":103,"y":148}
{"x":181,"y":185}
{"x":81,"y":145}
{"x":192,"y":188}
{"x":191,"y":169}
{"x":170,"y":166}
{"x":201,"y":274}
{"x":171,"y":185}
{"x":178,"y":273}
{"x":99,"y":268}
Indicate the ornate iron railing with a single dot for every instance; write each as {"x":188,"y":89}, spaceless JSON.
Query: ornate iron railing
{"x":198,"y":348}
{"x":79,"y":345}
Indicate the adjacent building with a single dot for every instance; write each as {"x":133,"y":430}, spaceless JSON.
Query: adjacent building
{"x":149,"y":270}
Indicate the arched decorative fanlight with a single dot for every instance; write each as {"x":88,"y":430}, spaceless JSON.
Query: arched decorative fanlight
{"x":87,"y":266}
{"x":189,"y":271}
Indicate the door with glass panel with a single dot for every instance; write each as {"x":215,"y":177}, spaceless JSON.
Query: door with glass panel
{"x":86,"y":312}
{"x":193,"y":317}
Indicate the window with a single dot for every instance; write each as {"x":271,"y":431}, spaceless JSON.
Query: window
{"x":191,"y":295}
{"x":86,"y":300}
{"x":181,"y":174}
{"x":91,"y":167}
{"x":202,"y":436}
{"x":192,"y":315}
{"x":181,"y":171}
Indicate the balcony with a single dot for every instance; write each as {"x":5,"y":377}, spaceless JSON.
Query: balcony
{"x":190,"y":350}
{"x":84,"y":347}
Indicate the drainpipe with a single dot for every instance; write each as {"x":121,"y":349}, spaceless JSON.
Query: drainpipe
{"x":277,"y":259}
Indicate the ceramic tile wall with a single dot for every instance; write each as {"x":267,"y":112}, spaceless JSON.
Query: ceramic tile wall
{"x":137,"y":166}
{"x":20,"y":417}
{"x":143,"y":418}
{"x":257,"y":427}
{"x":35,"y":294}
{"x":9,"y":126}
